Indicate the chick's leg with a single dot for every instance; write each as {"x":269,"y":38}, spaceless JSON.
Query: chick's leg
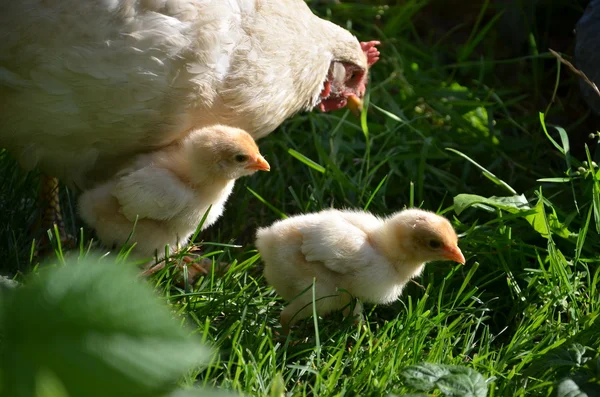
{"x":204,"y":266}
{"x":292,"y":313}
{"x":50,"y":215}
{"x":196,"y":267}
{"x":327,"y":300}
{"x":356,"y":311}
{"x":299,"y":308}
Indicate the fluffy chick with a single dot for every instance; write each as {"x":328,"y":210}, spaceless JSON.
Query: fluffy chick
{"x":170,"y":190}
{"x":367,"y":257}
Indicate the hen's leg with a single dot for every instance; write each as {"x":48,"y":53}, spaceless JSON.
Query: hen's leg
{"x":49,"y":202}
{"x":371,"y":51}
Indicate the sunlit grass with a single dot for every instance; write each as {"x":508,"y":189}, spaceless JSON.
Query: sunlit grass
{"x":524,"y":312}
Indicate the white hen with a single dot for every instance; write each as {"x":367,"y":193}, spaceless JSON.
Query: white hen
{"x":86,"y":84}
{"x":365,"y":256}
{"x":170,"y":190}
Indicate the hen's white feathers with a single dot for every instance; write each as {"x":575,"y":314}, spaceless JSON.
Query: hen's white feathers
{"x":84,"y":84}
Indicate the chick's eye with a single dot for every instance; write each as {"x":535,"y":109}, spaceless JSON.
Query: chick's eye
{"x":435,"y":244}
{"x":240,"y":158}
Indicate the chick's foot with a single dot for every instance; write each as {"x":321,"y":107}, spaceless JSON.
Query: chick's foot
{"x":195,"y":266}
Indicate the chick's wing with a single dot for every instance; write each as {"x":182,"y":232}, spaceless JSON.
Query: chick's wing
{"x":153,"y":193}
{"x":334,"y":242}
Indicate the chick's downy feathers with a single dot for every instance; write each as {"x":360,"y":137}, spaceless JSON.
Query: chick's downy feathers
{"x":367,"y":257}
{"x":169,"y":191}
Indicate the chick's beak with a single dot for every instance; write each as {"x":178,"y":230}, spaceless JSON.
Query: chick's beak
{"x":454,"y":254}
{"x":355,"y":104}
{"x":259,"y":163}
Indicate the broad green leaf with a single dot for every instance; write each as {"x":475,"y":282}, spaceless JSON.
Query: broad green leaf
{"x":538,"y":221}
{"x":469,"y":384}
{"x":571,"y":356}
{"x":518,"y":205}
{"x":423,"y":376}
{"x":98,"y":329}
{"x":557,"y":227}
{"x":454,"y":381}
{"x":512,"y":204}
{"x":568,"y":388}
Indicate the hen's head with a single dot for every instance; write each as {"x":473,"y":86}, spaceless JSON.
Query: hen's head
{"x":223,"y":152}
{"x":347,"y":77}
{"x":423,"y":236}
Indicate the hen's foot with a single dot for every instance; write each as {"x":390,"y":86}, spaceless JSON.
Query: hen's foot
{"x":371,"y":51}
{"x":50,"y":221}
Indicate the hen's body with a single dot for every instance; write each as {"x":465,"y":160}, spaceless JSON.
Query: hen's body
{"x":86,"y":84}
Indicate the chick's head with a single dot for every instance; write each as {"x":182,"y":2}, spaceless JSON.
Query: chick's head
{"x":224,"y":152}
{"x":425,"y":237}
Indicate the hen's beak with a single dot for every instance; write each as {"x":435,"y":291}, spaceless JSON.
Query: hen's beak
{"x":259,"y":163}
{"x":355,"y":104}
{"x":454,"y":254}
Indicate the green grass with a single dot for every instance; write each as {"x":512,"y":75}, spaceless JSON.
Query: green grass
{"x":524,"y":312}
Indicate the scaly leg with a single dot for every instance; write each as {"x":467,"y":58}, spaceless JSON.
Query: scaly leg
{"x":49,"y":202}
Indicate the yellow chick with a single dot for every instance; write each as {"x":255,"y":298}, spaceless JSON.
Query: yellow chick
{"x":350,"y":254}
{"x":170,"y":190}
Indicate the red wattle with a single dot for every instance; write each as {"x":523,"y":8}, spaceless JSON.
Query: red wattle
{"x":330,"y":104}
{"x":326,"y":90}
